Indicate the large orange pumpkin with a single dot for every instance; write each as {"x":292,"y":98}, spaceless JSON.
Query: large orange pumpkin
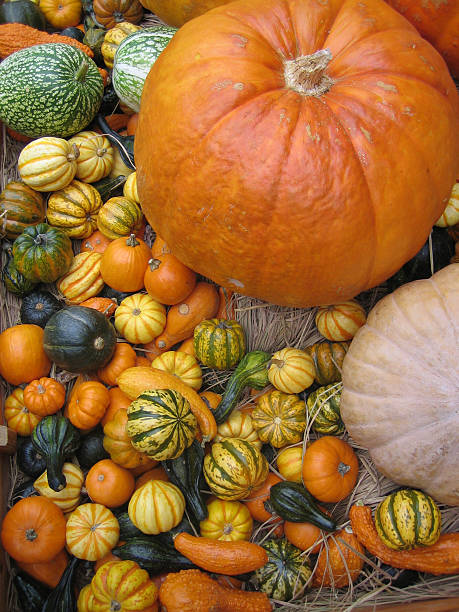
{"x":438,"y":22}
{"x":177,"y":12}
{"x":289,"y":154}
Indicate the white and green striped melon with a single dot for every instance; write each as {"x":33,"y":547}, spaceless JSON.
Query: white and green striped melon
{"x":134,"y":57}
{"x":52,"y":89}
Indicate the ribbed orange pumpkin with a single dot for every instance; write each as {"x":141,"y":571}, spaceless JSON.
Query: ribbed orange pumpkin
{"x":177,"y":12}
{"x":92,"y":531}
{"x":438,"y":22}
{"x":313,"y":119}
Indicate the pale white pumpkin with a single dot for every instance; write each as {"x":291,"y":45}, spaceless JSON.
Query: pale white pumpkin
{"x":400,"y":395}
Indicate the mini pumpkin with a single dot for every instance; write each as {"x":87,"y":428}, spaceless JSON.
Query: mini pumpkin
{"x":109,"y":484}
{"x":111,"y":12}
{"x":119,"y":217}
{"x":74,"y":209}
{"x":130,"y":186}
{"x":95,"y":159}
{"x":289,"y":463}
{"x":323,"y":410}
{"x":22,"y":358}
{"x":17,"y":416}
{"x":291,"y":370}
{"x":156,"y":507}
{"x":279,"y":418}
{"x":340,"y":560}
{"x":219,"y":343}
{"x":92,"y":531}
{"x":48,"y":163}
{"x":140,"y":319}
{"x":238,"y":425}
{"x":180,"y":364}
{"x":328,"y":360}
{"x":97,"y":242}
{"x":88,"y":404}
{"x":340,"y":321}
{"x":227,"y":520}
{"x":44,"y":396}
{"x":118,"y":444}
{"x":61,"y":13}
{"x":131,"y":255}
{"x":124,"y":357}
{"x":20,"y":206}
{"x":167,"y":280}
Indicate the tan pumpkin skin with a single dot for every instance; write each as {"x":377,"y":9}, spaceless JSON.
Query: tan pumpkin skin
{"x":337,"y":148}
{"x":410,"y":340}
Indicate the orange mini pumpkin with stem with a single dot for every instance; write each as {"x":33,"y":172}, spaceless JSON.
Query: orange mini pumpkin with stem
{"x":61,"y":14}
{"x":44,"y":396}
{"x":338,"y":565}
{"x":22,"y":358}
{"x":109,"y":484}
{"x":96,"y":243}
{"x":17,"y":416}
{"x":167,"y":280}
{"x":330,"y":469}
{"x":124,"y":357}
{"x":33,"y":530}
{"x":159,"y":247}
{"x":88,"y":404}
{"x":124,"y":262}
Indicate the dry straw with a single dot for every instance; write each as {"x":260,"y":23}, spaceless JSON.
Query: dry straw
{"x":271,"y":328}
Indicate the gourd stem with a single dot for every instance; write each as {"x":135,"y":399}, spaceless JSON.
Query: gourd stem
{"x":80,"y":74}
{"x":343,"y":468}
{"x":115,"y":606}
{"x":31,"y":535}
{"x":132,"y":241}
{"x":75,"y":154}
{"x":154,"y":264}
{"x":306,"y":74}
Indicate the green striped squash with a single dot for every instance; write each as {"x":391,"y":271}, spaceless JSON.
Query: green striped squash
{"x":161,"y":424}
{"x":323,"y":409}
{"x":219,"y":343}
{"x":20,"y":206}
{"x":286,"y":572}
{"x":42,"y":253}
{"x":233,"y":468}
{"x":328,"y":359}
{"x":408,"y":518}
{"x":49,"y":90}
{"x":14,"y":281}
{"x":279,"y":418}
{"x":134,"y":57}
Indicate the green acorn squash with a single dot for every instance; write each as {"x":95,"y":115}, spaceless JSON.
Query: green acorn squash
{"x":38,"y":307}
{"x":79,"y":339}
{"x":22,"y":11}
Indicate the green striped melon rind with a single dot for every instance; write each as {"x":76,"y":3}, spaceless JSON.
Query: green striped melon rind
{"x":39,"y":94}
{"x":133,"y":60}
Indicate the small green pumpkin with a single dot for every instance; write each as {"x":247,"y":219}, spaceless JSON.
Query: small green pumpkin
{"x":219,"y":343}
{"x":328,"y":359}
{"x":38,"y":307}
{"x":161,"y":424}
{"x":286,"y":572}
{"x":20,"y":206}
{"x":323,"y":409}
{"x":408,"y":518}
{"x":79,"y":339}
{"x":42,"y":253}
{"x":14,"y":281}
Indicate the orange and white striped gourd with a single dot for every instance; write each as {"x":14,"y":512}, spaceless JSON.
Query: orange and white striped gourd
{"x":341,"y":321}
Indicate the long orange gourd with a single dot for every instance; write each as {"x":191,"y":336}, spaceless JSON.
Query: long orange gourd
{"x":16,"y":36}
{"x":191,"y":590}
{"x":440,"y":558}
{"x":228,"y":558}
{"x":135,"y":381}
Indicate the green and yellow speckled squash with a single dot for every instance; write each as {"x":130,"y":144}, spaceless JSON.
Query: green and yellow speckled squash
{"x":219,"y":343}
{"x":42,"y":253}
{"x":408,"y":518}
{"x":234,"y":468}
{"x":74,"y":209}
{"x":20,"y":206}
{"x":279,"y":418}
{"x":161,"y":424}
{"x":323,"y":408}
{"x":328,"y":360}
{"x":119,"y":217}
{"x":286,"y":572}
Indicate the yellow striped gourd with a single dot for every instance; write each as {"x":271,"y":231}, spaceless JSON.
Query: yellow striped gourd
{"x":219,"y":343}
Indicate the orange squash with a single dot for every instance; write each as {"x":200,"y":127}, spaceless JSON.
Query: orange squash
{"x":92,"y":531}
{"x":167,"y":280}
{"x":118,"y":400}
{"x":96,"y":243}
{"x":118,"y":445}
{"x":304,"y":536}
{"x":124,"y":262}
{"x":106,"y":306}
{"x":47,"y":572}
{"x":44,"y":396}
{"x":61,"y":13}
{"x":338,"y":565}
{"x":301,"y":135}
{"x":109,"y":484}
{"x":22,"y":358}
{"x":88,"y":404}
{"x":330,"y":469}
{"x":182,"y":318}
{"x":124,"y":357}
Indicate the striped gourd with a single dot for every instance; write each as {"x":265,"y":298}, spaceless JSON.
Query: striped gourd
{"x":219,"y":343}
{"x":341,"y":321}
{"x":156,"y":507}
{"x":234,"y":468}
{"x":50,"y":89}
{"x":238,"y":425}
{"x":279,"y":418}
{"x":67,"y":498}
{"x":83,"y":279}
{"x":134,"y":57}
{"x":328,"y":360}
{"x":20,"y":206}
{"x":323,"y":409}
{"x":408,"y":518}
{"x":119,"y":217}
{"x":74,"y":209}
{"x":286,"y":572}
{"x":161,"y":424}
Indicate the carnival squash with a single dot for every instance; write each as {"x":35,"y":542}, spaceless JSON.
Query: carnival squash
{"x":156,"y":507}
{"x":82,"y":280}
{"x":74,"y":209}
{"x":20,"y":206}
{"x":404,"y":363}
{"x":312,"y":119}
{"x":219,"y":343}
{"x":279,"y":418}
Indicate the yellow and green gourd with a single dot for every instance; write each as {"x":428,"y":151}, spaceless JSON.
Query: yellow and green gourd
{"x":219,"y":343}
{"x":161,"y":424}
{"x":408,"y":518}
{"x":279,"y":418}
{"x":323,"y":409}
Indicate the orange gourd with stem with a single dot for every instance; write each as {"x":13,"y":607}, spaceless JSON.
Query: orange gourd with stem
{"x":159,"y":247}
{"x":330,"y":469}
{"x":61,"y":14}
{"x":17,"y":416}
{"x":106,"y":306}
{"x":33,"y":530}
{"x":339,"y":563}
{"x":124,"y":262}
{"x":189,"y":590}
{"x":109,"y":484}
{"x":44,"y":396}
{"x":88,"y":404}
{"x":124,"y":357}
{"x":167,"y":280}
{"x":96,"y":243}
{"x":182,"y":318}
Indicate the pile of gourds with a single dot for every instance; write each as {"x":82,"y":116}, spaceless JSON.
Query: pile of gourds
{"x":144,"y":488}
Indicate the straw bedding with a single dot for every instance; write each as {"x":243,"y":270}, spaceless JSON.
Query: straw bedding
{"x":270,"y":328}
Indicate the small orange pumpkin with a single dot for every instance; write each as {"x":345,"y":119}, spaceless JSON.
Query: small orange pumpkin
{"x":61,"y":13}
{"x":92,"y":531}
{"x":44,"y":396}
{"x":17,"y":416}
{"x":22,"y":358}
{"x":111,"y":12}
{"x":96,"y":243}
{"x":88,"y":404}
{"x":109,"y":484}
{"x":167,"y":280}
{"x":124,"y":262}
{"x":118,"y":400}
{"x":338,"y":565}
{"x":255,"y":502}
{"x":106,"y":306}
{"x":118,"y":444}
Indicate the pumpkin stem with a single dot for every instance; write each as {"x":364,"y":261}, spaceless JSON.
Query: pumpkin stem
{"x":115,"y":606}
{"x":306,"y":74}
{"x":227,"y":528}
{"x":276,"y":362}
{"x":80,"y":74}
{"x":75,"y":153}
{"x":99,"y":343}
{"x":41,"y":389}
{"x":343,"y":468}
{"x":132,"y":241}
{"x":31,"y":535}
